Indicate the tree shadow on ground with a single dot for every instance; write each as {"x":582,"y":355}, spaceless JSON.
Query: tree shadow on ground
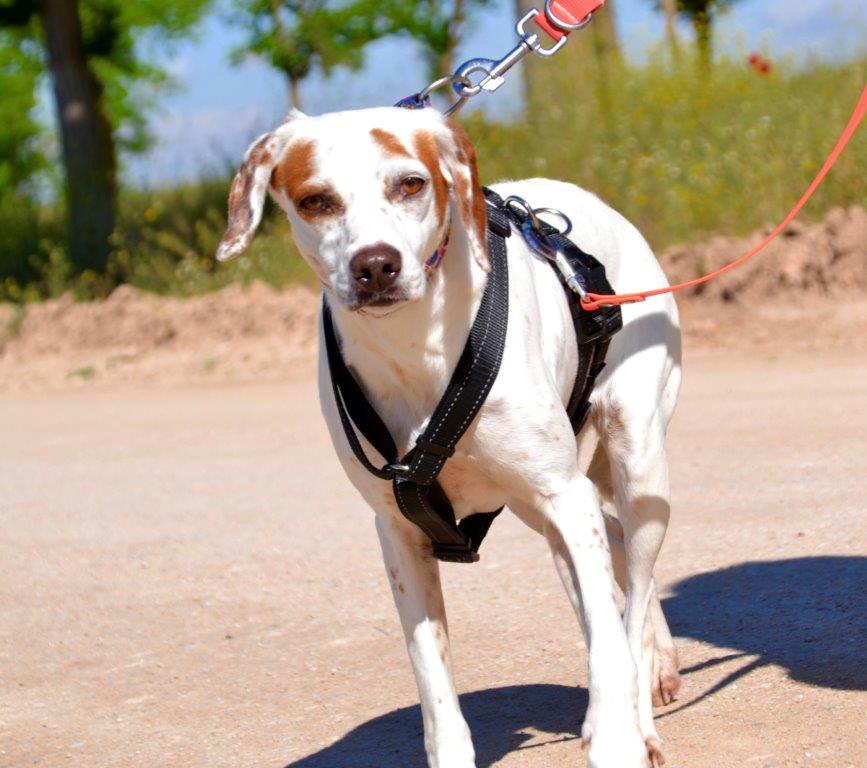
{"x":808,"y":615}
{"x":499,"y":719}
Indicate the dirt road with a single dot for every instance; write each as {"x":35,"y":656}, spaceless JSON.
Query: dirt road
{"x":186,"y":579}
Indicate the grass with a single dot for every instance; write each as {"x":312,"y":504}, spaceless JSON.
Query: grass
{"x":680,"y":155}
{"x":684,"y":156}
{"x":86,"y":373}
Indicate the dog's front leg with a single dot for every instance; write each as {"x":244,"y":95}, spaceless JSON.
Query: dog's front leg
{"x":415,"y":583}
{"x":575,"y":530}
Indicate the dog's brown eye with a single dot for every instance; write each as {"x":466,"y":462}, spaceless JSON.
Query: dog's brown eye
{"x":412,"y":185}
{"x":313,"y":204}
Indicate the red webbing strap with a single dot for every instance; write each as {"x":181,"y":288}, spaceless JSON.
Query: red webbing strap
{"x":597,"y":300}
{"x":570,"y":11}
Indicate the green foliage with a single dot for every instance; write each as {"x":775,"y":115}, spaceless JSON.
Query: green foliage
{"x":126,"y":44}
{"x":437,"y":26}
{"x":702,"y":14}
{"x":296,"y":36}
{"x":20,"y":157}
{"x":683,"y":154}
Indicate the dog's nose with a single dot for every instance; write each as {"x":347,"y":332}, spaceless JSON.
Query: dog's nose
{"x":375,"y":267}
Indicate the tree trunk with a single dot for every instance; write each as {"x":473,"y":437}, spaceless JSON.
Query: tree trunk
{"x":295,"y":91}
{"x":669,"y":8}
{"x":589,"y":53}
{"x":88,"y":145}
{"x":446,"y":63}
{"x":604,"y":31}
{"x":701,"y":23}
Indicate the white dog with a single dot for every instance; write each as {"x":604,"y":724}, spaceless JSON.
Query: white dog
{"x":371,"y":194}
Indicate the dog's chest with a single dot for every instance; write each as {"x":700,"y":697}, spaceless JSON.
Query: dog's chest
{"x":468,"y":482}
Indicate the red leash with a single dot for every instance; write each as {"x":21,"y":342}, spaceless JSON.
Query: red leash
{"x":570,"y":15}
{"x":596,"y":300}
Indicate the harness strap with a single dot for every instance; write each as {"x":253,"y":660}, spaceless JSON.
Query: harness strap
{"x":593,"y":328}
{"x":420,"y":497}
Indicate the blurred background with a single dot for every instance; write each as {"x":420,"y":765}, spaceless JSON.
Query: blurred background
{"x":121,"y":123}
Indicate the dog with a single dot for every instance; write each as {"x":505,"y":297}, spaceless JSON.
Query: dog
{"x":371,"y":195}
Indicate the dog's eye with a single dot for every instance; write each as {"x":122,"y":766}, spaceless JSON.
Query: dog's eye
{"x":412,"y":185}
{"x":313,"y":204}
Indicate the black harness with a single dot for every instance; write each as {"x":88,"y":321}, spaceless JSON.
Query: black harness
{"x":419,"y":495}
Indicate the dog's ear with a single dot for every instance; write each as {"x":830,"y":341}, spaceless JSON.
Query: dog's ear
{"x":459,"y":167}
{"x":248,"y":191}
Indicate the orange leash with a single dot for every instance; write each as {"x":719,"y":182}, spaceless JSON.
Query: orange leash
{"x":596,"y":300}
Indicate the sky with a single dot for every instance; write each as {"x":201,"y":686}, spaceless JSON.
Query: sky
{"x":217,"y":109}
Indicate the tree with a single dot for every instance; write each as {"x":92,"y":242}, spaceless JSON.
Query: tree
{"x":297,"y":36}
{"x":437,"y":26}
{"x":702,"y":14}
{"x":586,"y":59}
{"x":20,"y":158}
{"x":101,"y":84}
{"x":669,"y":8}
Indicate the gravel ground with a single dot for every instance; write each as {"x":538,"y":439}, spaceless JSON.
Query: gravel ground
{"x":188,"y":580}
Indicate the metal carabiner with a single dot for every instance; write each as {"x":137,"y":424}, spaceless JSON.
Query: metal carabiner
{"x":531,"y":231}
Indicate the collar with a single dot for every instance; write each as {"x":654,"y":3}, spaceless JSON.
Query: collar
{"x":436,"y":258}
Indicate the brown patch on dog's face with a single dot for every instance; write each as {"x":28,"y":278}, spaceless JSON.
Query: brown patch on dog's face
{"x":294,"y":177}
{"x":295,"y":169}
{"x":428,"y":154}
{"x":389,"y":143}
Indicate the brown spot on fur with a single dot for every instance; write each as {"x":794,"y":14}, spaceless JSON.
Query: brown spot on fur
{"x":389,"y":143}
{"x":295,"y":169}
{"x":426,"y":149}
{"x":594,"y":532}
{"x":400,"y":588}
{"x":393,"y":572}
{"x":443,"y":655}
{"x":398,"y":373}
{"x":240,"y":211}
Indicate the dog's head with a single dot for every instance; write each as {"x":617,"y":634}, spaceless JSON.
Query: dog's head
{"x":372,"y":196}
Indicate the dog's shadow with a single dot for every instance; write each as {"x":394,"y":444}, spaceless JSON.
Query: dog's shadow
{"x":501,"y":721}
{"x":807,"y":615}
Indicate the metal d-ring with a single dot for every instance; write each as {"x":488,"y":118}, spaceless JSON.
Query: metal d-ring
{"x":560,"y":215}
{"x":513,"y":201}
{"x":396,"y":468}
{"x":565,"y":25}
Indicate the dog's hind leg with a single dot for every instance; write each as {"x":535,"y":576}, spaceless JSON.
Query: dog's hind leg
{"x":413,"y":574}
{"x":665,"y":681}
{"x":639,"y":471}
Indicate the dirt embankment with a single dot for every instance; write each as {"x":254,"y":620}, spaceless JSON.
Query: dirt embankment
{"x":808,"y":288}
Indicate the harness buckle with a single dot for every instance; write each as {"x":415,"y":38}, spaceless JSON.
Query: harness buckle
{"x":455,"y":553}
{"x":396,"y":469}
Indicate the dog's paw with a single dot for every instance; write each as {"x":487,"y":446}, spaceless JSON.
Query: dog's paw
{"x":457,"y":755}
{"x":666,"y":679}
{"x":616,"y":749}
{"x":654,"y":751}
